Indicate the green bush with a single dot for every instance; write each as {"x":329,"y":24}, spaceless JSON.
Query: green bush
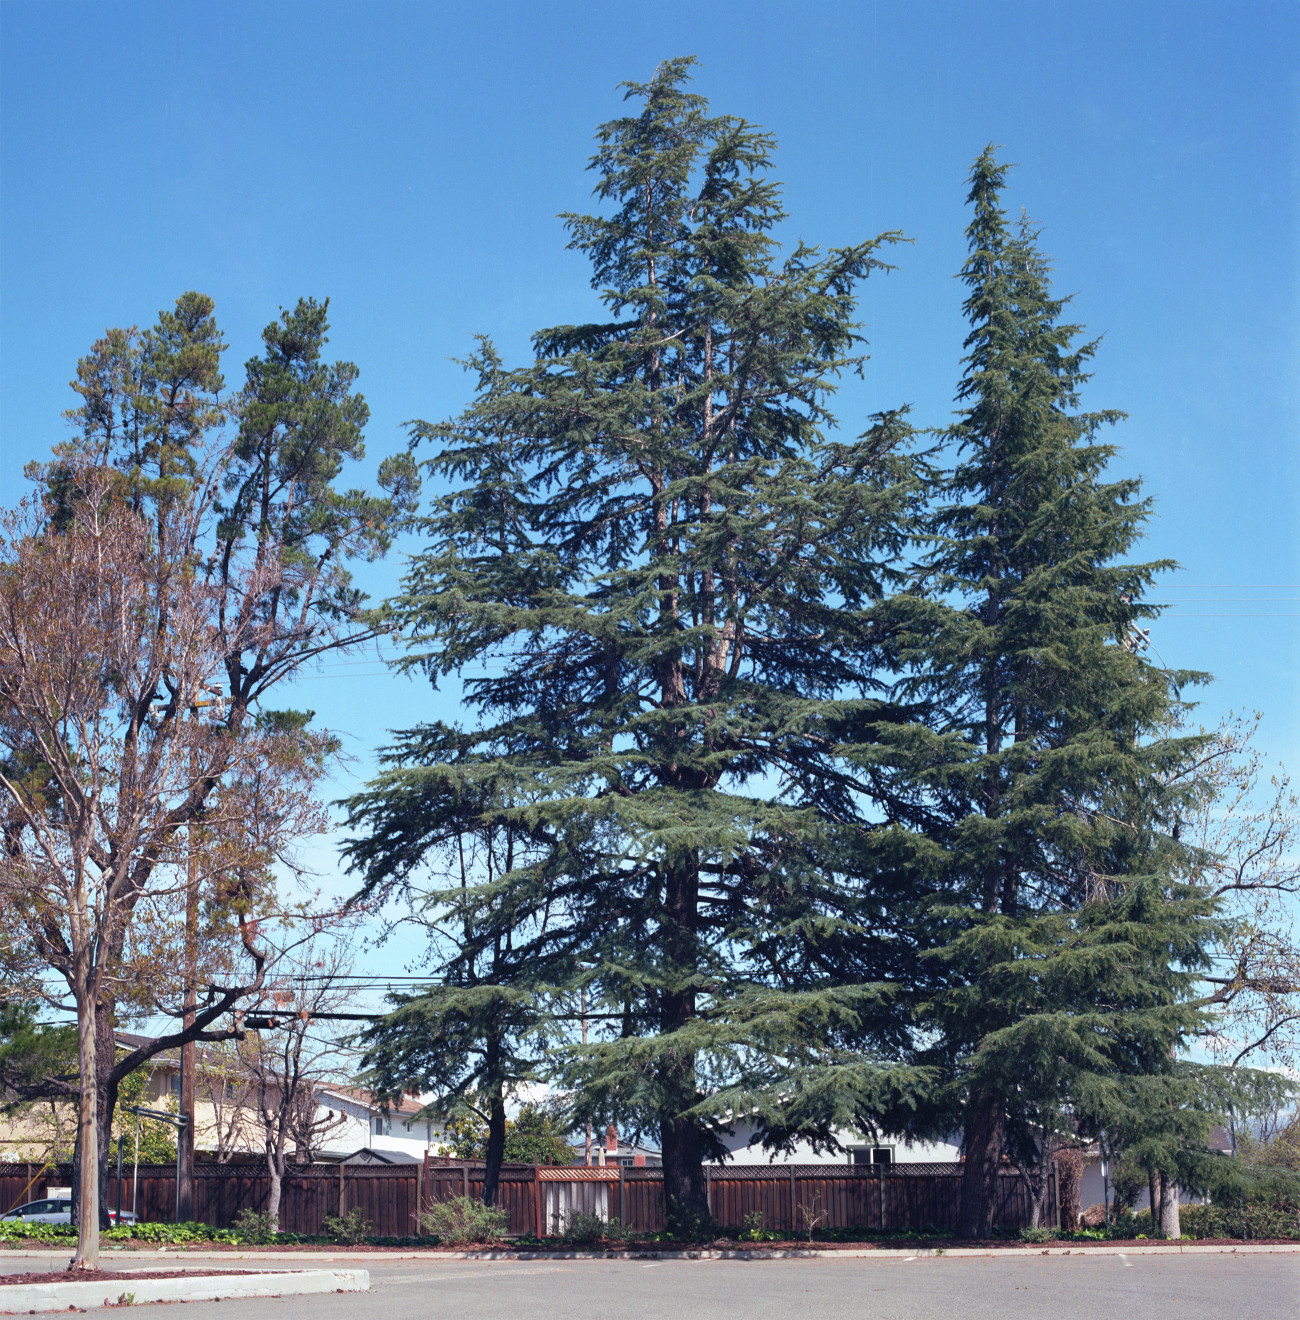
{"x":255,"y":1227}
{"x":582,"y":1227}
{"x":755,"y":1229}
{"x":462,"y":1220}
{"x":1040,"y":1234}
{"x":1251,"y":1220}
{"x":351,"y":1228}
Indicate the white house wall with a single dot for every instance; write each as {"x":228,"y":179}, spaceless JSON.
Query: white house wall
{"x":745,"y":1149}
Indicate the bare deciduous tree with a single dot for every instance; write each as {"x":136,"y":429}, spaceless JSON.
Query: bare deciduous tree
{"x":106,"y":649}
{"x":1248,"y":835}
{"x":297,"y":1049}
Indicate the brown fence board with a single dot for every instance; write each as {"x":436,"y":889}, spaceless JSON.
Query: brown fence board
{"x":893,"y":1198}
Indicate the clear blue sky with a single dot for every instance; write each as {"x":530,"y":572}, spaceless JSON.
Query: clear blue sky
{"x":409,"y":160}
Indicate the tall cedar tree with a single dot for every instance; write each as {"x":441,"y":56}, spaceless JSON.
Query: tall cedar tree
{"x":653,"y":573}
{"x":1041,"y":784}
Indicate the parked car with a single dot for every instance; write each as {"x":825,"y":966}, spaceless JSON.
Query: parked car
{"x":56,"y":1210}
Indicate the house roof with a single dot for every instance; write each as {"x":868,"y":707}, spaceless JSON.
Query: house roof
{"x":407,"y":1107}
{"x":368,"y":1155}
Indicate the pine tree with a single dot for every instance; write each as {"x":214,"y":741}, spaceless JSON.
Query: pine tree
{"x":1043,"y":786}
{"x":653,"y":573}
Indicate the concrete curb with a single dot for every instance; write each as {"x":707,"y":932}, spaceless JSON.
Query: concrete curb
{"x":228,"y":1259}
{"x":27,"y":1297}
{"x":864,"y":1253}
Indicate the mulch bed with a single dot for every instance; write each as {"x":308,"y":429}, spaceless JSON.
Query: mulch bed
{"x":800,"y":1244}
{"x":111,"y":1276}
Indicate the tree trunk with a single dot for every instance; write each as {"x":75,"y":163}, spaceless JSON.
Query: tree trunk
{"x":105,"y":1096}
{"x":273,"y":1201}
{"x":983,"y":1142}
{"x":1170,"y":1219}
{"x":86,"y":1256}
{"x":1038,"y":1182}
{"x":496,"y":1148}
{"x":686,"y":1202}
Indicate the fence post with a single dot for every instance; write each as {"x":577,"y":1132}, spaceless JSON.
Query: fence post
{"x":340,"y":1189}
{"x":537,"y":1201}
{"x":419,"y":1194}
{"x":1056,"y":1186}
{"x":880,"y":1187}
{"x":622,"y":1204}
{"x":464,"y":1181}
{"x":792,"y":1223}
{"x":708,"y":1191}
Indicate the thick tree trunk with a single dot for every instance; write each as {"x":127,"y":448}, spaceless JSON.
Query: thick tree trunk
{"x":1170,"y":1219}
{"x":686,"y":1202}
{"x":496,"y":1148}
{"x":984,"y":1139}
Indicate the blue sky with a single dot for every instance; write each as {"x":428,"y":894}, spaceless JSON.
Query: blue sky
{"x":409,"y":160}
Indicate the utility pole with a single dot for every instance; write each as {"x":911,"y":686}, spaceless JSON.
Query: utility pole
{"x":185,"y":1135}
{"x":582,"y":1008}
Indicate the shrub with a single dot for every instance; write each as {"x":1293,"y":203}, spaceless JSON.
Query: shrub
{"x":351,"y":1228}
{"x":1252,"y":1219}
{"x":582,"y":1227}
{"x":755,"y":1229}
{"x":1040,"y":1234}
{"x":462,"y":1220}
{"x":255,"y":1226}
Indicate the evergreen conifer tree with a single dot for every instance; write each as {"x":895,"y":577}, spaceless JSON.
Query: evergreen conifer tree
{"x":1043,"y":784}
{"x":653,"y":573}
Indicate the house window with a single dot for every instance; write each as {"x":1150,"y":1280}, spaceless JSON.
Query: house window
{"x":871,"y":1155}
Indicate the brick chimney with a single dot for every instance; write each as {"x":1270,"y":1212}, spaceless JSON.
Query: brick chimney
{"x":611,"y":1141}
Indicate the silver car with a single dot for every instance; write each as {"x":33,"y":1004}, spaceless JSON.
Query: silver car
{"x":56,"y":1210}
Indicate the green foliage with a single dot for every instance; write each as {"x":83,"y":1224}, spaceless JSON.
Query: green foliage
{"x":1041,"y":789}
{"x":256,"y":1226}
{"x":1039,"y":1234}
{"x":531,"y":1138}
{"x":1247,"y":1221}
{"x":755,"y":1229}
{"x":157,"y":1141}
{"x":350,"y":1228}
{"x":582,"y":1227}
{"x":462,"y":1221}
{"x":654,"y":528}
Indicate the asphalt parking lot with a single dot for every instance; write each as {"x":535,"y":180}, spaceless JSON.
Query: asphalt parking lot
{"x":1182,"y":1287}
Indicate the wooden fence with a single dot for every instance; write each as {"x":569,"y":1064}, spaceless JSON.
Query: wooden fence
{"x":872,"y":1198}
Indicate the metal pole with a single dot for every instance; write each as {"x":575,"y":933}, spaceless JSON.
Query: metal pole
{"x":119,"y":1177}
{"x":135,"y":1172}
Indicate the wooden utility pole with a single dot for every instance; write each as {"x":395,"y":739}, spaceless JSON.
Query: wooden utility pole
{"x":185,"y":1136}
